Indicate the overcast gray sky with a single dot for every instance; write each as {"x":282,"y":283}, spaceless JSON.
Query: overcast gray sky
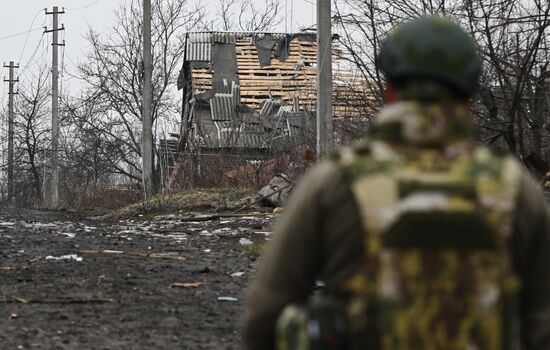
{"x":22,"y":39}
{"x":19,"y":18}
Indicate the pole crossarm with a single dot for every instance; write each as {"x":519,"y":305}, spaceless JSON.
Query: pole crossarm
{"x":55,"y":30}
{"x":55,"y":11}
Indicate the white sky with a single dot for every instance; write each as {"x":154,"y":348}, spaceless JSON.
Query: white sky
{"x":19,"y":16}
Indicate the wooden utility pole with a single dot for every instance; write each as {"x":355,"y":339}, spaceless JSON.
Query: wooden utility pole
{"x":147,"y":120}
{"x":54,"y":195}
{"x":324,"y":79}
{"x":11,"y":93}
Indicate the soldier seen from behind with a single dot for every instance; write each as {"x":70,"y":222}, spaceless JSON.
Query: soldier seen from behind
{"x":422,"y":238}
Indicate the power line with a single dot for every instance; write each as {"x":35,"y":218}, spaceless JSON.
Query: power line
{"x":40,"y":42}
{"x":83,"y":7}
{"x":3,"y":95}
{"x":33,"y":54}
{"x":29,"y":32}
{"x":62,"y":64}
{"x":22,"y":33}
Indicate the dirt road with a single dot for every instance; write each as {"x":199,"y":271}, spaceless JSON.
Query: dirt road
{"x":67,"y":282}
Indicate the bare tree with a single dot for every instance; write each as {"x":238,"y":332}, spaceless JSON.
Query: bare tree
{"x":32,"y":128}
{"x":113,"y":73}
{"x":512,"y":106}
{"x":247,"y":15}
{"x":512,"y":38}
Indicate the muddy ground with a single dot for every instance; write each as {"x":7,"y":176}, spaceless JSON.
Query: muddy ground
{"x":69,"y":282}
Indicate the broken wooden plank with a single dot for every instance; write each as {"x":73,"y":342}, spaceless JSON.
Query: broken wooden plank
{"x":202,"y":218}
{"x":133,"y":254}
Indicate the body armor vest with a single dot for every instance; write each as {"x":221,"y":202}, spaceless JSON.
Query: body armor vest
{"x":437,"y":272}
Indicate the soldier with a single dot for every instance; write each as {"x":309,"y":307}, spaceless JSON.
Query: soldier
{"x":423,"y":239}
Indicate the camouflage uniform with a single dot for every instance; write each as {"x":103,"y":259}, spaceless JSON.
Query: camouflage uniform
{"x":427,"y":240}
{"x":331,"y":230}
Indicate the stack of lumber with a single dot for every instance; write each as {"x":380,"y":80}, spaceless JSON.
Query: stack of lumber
{"x":295,"y":77}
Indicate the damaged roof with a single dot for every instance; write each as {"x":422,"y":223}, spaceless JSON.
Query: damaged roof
{"x":267,"y":65}
{"x":272,"y":74}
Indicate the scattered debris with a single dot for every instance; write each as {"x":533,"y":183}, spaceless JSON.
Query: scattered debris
{"x":276,"y":192}
{"x":227,"y":299}
{"x":222,"y":230}
{"x":186,"y":285}
{"x":125,"y":232}
{"x":197,"y":219}
{"x":7,"y":298}
{"x":65,"y":257}
{"x":245,"y":241}
{"x":278,"y":210}
{"x":37,"y":225}
{"x":107,"y":251}
{"x":319,"y":284}
{"x":7,"y":268}
{"x":116,"y":276}
{"x":134,"y":254}
{"x":264,"y":233}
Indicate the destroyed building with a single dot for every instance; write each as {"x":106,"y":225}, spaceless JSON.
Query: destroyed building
{"x":249,"y":97}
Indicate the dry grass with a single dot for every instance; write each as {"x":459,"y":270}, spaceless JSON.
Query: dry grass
{"x":197,"y":200}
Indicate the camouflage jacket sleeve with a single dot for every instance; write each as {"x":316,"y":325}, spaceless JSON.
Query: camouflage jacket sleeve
{"x":531,"y":254}
{"x":295,"y":256}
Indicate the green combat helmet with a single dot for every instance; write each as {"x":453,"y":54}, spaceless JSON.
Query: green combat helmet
{"x":431,"y":49}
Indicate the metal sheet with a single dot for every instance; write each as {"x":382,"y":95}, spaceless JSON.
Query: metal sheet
{"x":236,"y":93}
{"x":267,"y":108}
{"x":227,"y":36}
{"x":199,"y":45}
{"x":222,"y":107}
{"x":222,"y":37}
{"x":200,"y":37}
{"x":199,"y":51}
{"x":298,"y":120}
